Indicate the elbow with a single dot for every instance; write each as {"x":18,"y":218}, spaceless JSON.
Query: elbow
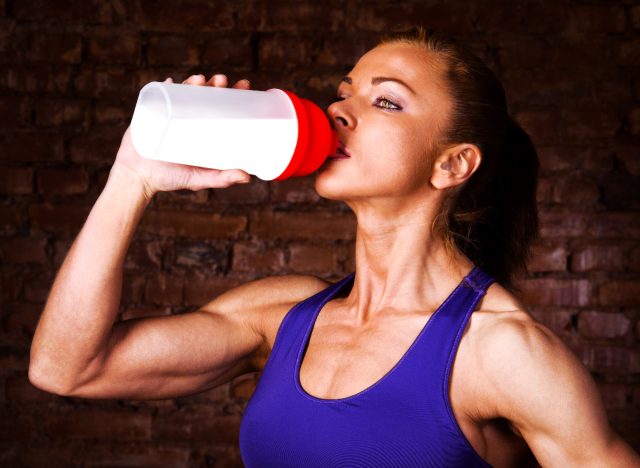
{"x":47,"y":381}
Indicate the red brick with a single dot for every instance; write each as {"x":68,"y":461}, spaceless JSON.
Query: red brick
{"x":386,"y":17}
{"x":257,"y":257}
{"x":306,"y":258}
{"x":212,"y":258}
{"x":37,"y":286}
{"x":314,"y":16}
{"x":180,"y":198}
{"x":67,"y":181}
{"x":514,"y":17}
{"x":605,"y":257}
{"x":21,"y":320}
{"x":603,"y":325}
{"x":588,"y":124}
{"x":145,"y":254}
{"x":562,"y":224}
{"x":202,"y":17}
{"x":54,"y":47}
{"x":28,"y":78}
{"x":193,"y":224}
{"x":16,"y":180}
{"x":295,"y":190}
{"x":544,"y":189}
{"x":614,"y":225}
{"x":322,"y":225}
{"x":576,"y":189}
{"x":23,"y":250}
{"x":200,"y":289}
{"x":99,"y":147}
{"x":98,"y":424}
{"x":614,"y":395}
{"x":10,"y":218}
{"x":558,"y":320}
{"x":61,"y":12}
{"x":620,"y":293}
{"x":635,"y":16}
{"x":55,"y":112}
{"x":59,"y":218}
{"x":548,"y":257}
{"x":634,"y":259}
{"x":240,"y":194}
{"x":16,"y":424}
{"x":604,"y":358}
{"x":633,"y":118}
{"x":164,"y":289}
{"x":106,"y":112}
{"x":20,"y":390}
{"x":27,"y":147}
{"x":172,"y":50}
{"x":11,"y":285}
{"x":597,"y":19}
{"x":228,"y":51}
{"x":540,"y":125}
{"x":15,"y":111}
{"x":285,"y":52}
{"x":159,"y":455}
{"x":510,"y":52}
{"x":197,"y":426}
{"x":133,"y":288}
{"x":556,"y":292}
{"x":114,"y":82}
{"x":628,"y":52}
{"x":114,"y":47}
{"x":12,"y":359}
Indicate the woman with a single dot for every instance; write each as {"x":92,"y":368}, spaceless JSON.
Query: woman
{"x":419,"y":359}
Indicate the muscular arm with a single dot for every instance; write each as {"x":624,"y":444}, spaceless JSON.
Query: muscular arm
{"x":78,"y":350}
{"x":542,"y":388}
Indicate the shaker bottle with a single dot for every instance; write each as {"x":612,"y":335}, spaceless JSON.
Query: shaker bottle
{"x":271,"y":134}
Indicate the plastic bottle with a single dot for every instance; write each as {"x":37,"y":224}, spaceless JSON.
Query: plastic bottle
{"x":271,"y":134}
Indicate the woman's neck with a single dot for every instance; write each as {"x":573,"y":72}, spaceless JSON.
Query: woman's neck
{"x":401,"y":264}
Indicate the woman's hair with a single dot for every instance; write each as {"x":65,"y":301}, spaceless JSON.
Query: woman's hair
{"x":492,"y":218}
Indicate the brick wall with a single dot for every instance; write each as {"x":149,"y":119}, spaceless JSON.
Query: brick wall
{"x":68,"y":82}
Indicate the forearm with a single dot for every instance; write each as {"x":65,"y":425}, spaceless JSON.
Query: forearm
{"x":77,"y":320}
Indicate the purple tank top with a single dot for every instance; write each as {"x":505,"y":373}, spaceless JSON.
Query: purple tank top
{"x":403,"y":420}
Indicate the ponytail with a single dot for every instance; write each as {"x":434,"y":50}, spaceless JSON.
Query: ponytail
{"x":493,"y":219}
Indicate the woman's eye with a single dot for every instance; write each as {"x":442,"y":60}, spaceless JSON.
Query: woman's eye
{"x":385,"y":103}
{"x":337,"y":98}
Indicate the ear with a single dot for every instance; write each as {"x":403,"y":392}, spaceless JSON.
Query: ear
{"x":455,"y":165}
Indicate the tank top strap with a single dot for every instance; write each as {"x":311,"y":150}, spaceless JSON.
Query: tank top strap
{"x":478,"y":280}
{"x":297,"y":321}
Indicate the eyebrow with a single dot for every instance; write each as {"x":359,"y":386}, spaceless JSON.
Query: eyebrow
{"x":379,"y":79}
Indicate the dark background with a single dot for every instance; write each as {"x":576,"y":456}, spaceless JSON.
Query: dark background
{"x":69,"y":78}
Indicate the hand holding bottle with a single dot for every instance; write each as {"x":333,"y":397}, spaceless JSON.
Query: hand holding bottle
{"x":157,"y":176}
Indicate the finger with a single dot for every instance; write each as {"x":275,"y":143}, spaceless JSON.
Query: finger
{"x":242,"y":84}
{"x":169,"y":80}
{"x":195,"y":80}
{"x":219,"y":80}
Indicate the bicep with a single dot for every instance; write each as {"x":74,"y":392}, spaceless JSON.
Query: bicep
{"x":547,"y":393}
{"x":169,"y":356}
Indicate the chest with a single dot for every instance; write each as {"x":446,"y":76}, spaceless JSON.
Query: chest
{"x":341,"y":360}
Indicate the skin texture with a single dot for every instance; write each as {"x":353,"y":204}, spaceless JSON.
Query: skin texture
{"x":511,"y":374}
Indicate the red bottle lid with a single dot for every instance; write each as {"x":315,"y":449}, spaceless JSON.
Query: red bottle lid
{"x":316,"y":139}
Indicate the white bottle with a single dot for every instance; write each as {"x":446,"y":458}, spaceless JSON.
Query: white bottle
{"x":271,"y":134}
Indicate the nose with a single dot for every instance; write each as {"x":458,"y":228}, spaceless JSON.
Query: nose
{"x":338,"y":116}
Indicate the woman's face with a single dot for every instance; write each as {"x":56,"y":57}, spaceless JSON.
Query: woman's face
{"x":388,"y":128}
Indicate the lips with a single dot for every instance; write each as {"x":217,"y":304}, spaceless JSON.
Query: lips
{"x":341,"y":153}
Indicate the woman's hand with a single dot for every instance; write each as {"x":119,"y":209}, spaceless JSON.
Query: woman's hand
{"x":159,"y":176}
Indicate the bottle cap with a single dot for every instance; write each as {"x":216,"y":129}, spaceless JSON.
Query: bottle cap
{"x":316,"y":139}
